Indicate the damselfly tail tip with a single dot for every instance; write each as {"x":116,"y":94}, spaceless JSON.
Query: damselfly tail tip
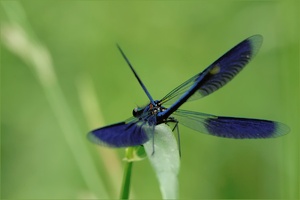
{"x":118,"y":46}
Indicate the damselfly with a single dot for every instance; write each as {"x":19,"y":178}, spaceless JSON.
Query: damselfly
{"x":140,"y":128}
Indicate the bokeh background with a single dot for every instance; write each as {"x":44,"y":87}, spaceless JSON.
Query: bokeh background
{"x":62,"y":75}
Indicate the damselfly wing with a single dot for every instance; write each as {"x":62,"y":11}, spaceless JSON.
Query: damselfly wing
{"x":140,"y":128}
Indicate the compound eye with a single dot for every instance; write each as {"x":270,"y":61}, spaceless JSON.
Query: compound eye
{"x":135,"y":112}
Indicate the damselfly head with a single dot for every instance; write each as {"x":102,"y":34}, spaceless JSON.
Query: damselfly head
{"x":137,"y":111}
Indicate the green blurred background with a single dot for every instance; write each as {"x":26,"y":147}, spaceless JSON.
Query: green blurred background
{"x":68,"y":77}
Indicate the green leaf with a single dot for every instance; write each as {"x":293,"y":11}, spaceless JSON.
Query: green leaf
{"x":165,"y":160}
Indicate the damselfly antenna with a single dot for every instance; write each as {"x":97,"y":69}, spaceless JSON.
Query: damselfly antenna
{"x":136,"y":75}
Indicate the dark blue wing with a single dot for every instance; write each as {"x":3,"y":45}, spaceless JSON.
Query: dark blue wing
{"x":230,"y":127}
{"x":217,"y":74}
{"x":124,"y":134}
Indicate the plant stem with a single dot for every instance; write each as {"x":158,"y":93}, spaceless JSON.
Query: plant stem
{"x":126,"y":181}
